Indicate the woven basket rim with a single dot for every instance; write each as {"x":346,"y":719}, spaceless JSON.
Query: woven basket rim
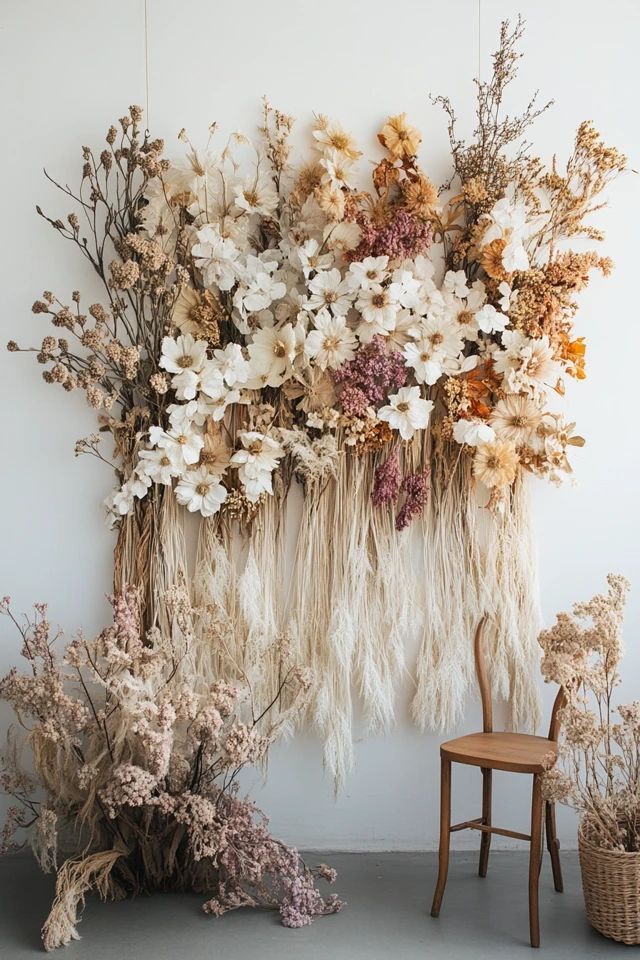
{"x":584,"y":838}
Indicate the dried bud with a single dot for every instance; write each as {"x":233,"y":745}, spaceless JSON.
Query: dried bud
{"x":48,"y":296}
{"x":73,"y":222}
{"x":125,"y":122}
{"x":75,"y":296}
{"x":159,"y":382}
{"x":136,"y":113}
{"x":106,"y":160}
{"x":112,"y":133}
{"x":64,"y":345}
{"x":86,"y":171}
{"x":40,"y":307}
{"x":12,"y":346}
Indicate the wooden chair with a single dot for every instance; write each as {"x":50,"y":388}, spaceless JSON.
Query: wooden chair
{"x":514,"y":752}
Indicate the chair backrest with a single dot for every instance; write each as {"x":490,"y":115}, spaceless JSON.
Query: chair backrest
{"x":485,"y":688}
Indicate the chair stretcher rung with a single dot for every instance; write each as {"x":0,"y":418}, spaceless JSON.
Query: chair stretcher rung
{"x":487,"y":828}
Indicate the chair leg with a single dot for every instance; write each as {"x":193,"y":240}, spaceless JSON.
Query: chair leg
{"x":535,"y":855}
{"x":445,"y":834}
{"x":485,"y":841}
{"x":553,"y":845}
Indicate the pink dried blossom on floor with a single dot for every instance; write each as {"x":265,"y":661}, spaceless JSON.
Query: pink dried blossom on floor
{"x":139,"y":755}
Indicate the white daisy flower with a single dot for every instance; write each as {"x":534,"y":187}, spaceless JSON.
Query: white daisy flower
{"x":370,"y":272}
{"x":201,"y":492}
{"x":328,"y":289}
{"x":473,"y":432}
{"x":216,"y":257}
{"x":258,"y":195}
{"x":406,"y":412}
{"x":331,"y":343}
{"x":310,"y":258}
{"x":271,"y":352}
{"x":420,"y":357}
{"x":183,"y":447}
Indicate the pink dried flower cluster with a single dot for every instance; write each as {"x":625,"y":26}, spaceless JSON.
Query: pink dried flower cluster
{"x":403,"y":237}
{"x":131,"y":743}
{"x":598,"y":769}
{"x":386,"y":481}
{"x":416,"y":490}
{"x":370,"y":377}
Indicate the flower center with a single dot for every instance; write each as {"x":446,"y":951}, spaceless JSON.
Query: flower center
{"x":403,"y":406}
{"x":279,"y":349}
{"x":181,"y":439}
{"x":339,"y":141}
{"x":371,"y":274}
{"x":331,"y":343}
{"x":424,"y":357}
{"x":435,"y":339}
{"x":251,"y":197}
{"x":330,"y":296}
{"x":493,"y":463}
{"x":378,"y":300}
{"x":518,"y":421}
{"x":165,"y":462}
{"x":202,"y":489}
{"x":256,"y":447}
{"x":184,"y":361}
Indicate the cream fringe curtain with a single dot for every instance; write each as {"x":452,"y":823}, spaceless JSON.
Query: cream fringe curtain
{"x":340,"y":591}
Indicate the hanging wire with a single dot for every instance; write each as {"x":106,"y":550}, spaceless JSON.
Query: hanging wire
{"x":479,"y":39}
{"x":146,"y":61}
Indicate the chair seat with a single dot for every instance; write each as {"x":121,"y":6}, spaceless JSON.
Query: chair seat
{"x":517,"y":752}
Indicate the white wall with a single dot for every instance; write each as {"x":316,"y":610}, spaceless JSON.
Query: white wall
{"x":70,"y":67}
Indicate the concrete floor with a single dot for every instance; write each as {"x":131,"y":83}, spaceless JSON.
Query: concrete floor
{"x":386,"y":916}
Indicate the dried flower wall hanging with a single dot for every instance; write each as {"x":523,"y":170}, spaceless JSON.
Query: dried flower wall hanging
{"x":395,"y":350}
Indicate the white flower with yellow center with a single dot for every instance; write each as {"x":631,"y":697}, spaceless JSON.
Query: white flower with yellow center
{"x":182,"y":446}
{"x":271,"y":352}
{"x":378,"y":308}
{"x":232,"y":364}
{"x":406,"y":412}
{"x":443,"y":335}
{"x":201,"y":492}
{"x":338,"y":168}
{"x":257,"y":196}
{"x":256,"y":462}
{"x":328,"y":290}
{"x":158,"y":466}
{"x":367,"y":273}
{"x":311,"y":258}
{"x":426,"y":365}
{"x":183,"y":357}
{"x":331,"y":343}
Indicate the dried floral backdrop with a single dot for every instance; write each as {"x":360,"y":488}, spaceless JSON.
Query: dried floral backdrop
{"x":395,"y":351}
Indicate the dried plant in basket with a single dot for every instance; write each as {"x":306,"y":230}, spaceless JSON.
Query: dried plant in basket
{"x":598,"y":771}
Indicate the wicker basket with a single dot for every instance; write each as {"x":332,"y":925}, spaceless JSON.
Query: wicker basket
{"x":611,"y":886}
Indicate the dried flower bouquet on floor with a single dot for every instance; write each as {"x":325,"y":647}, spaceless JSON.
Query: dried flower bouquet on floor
{"x":391,"y":349}
{"x":138,"y":755}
